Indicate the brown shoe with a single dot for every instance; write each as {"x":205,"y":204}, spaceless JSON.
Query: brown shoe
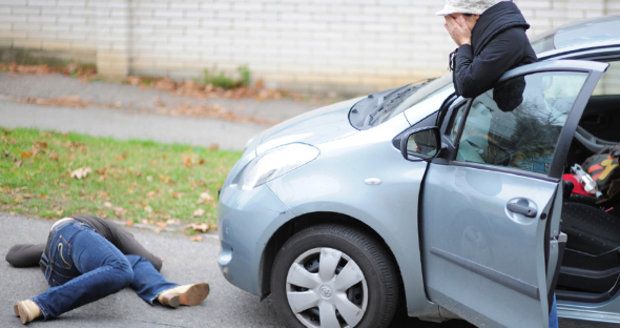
{"x":192,"y":294}
{"x":27,"y":311}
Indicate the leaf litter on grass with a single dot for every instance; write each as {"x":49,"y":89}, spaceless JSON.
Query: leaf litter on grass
{"x":132,"y":181}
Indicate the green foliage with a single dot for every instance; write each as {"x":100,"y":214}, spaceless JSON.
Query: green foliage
{"x":128,"y":180}
{"x":245,"y":75}
{"x":28,"y":57}
{"x":222,"y":80}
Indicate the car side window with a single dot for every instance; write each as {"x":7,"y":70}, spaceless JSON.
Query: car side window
{"x":518,"y":123}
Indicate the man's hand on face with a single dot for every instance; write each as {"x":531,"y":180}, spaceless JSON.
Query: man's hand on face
{"x":459,"y":29}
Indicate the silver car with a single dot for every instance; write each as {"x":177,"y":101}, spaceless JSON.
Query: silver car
{"x":443,"y":207}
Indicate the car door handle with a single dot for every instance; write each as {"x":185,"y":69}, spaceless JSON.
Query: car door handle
{"x":525,"y":210}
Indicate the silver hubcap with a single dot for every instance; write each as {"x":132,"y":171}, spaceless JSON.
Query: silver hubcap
{"x":326,"y":288}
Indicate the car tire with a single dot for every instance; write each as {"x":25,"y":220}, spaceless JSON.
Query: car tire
{"x":306,"y":294}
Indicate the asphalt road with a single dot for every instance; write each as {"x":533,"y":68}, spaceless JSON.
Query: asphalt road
{"x":123,"y":125}
{"x":130,"y":98}
{"x":184,"y":261}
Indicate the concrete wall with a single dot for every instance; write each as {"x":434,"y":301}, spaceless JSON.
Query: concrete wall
{"x":354,"y":43}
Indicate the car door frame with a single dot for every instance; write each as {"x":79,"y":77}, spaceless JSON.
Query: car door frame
{"x":595,"y":71}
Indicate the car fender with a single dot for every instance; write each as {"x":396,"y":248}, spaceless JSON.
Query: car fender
{"x":324,"y":186}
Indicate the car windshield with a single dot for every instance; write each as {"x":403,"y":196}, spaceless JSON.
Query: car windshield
{"x":379,"y":107}
{"x":581,"y":33}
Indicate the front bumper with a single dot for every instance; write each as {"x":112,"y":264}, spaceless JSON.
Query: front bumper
{"x":246,"y":221}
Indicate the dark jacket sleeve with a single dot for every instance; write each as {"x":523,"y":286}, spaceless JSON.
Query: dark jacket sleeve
{"x":25,"y":255}
{"x":122,"y":239}
{"x":127,"y":244}
{"x":475,"y":75}
{"x":119,"y":237}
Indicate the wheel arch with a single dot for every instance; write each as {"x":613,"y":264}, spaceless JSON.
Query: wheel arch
{"x":307,"y":220}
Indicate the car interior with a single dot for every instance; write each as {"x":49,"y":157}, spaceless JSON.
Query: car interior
{"x":590,"y":269}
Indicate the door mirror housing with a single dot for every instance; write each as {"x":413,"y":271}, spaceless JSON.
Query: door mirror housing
{"x":421,"y":144}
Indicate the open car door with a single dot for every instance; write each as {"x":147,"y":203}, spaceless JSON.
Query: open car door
{"x":489,"y":228}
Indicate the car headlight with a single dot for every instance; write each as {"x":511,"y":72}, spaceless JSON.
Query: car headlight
{"x":275,"y":163}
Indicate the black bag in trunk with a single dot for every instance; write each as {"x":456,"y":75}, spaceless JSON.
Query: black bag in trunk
{"x":605,"y":171}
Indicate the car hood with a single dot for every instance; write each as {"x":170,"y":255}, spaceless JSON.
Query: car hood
{"x":315,"y":127}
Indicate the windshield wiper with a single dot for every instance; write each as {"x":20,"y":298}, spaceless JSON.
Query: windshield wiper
{"x":392,"y":98}
{"x":378,"y":106}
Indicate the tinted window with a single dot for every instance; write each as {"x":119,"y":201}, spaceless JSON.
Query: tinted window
{"x":518,"y":123}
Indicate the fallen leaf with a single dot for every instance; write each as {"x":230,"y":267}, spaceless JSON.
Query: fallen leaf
{"x":129,"y":223}
{"x":196,"y":238}
{"x":214,"y":146}
{"x":53,"y":156}
{"x":134,"y":80}
{"x":198,"y":213}
{"x":187,"y":161}
{"x":165,"y":84}
{"x":119,"y":212}
{"x":173,"y":222}
{"x":199,"y":227}
{"x":65,"y":101}
{"x":205,"y":197}
{"x":26,"y":154}
{"x":165,"y":179}
{"x":81,"y":173}
{"x":40,"y":145}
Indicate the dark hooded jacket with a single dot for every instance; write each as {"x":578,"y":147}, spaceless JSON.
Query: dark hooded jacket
{"x":499,"y":43}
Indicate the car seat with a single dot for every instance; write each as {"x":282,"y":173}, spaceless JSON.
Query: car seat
{"x":591,"y":261}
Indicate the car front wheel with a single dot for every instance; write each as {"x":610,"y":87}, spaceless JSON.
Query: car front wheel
{"x":333,"y":276}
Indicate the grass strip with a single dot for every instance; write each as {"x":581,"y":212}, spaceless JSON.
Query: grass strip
{"x":133,"y":181}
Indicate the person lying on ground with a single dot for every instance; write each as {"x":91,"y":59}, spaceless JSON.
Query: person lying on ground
{"x":87,"y":258}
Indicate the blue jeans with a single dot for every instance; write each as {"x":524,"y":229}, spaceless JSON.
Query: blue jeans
{"x":81,"y":266}
{"x":553,"y":315}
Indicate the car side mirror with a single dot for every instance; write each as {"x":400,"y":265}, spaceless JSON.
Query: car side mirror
{"x":421,"y":144}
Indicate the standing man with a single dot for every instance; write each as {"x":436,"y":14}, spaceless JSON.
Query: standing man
{"x":491,"y":40}
{"x":87,"y":258}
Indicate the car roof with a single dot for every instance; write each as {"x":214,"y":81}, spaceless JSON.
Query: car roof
{"x":593,"y":33}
